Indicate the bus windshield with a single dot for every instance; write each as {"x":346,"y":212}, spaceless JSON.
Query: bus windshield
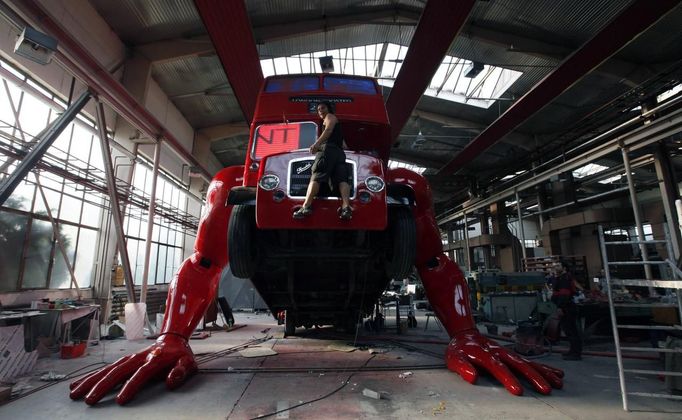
{"x":283,"y":137}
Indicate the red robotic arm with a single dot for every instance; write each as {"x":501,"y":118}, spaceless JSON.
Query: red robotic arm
{"x":448,"y":294}
{"x":192,"y":289}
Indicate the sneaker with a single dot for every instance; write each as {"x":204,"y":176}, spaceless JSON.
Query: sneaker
{"x":302,"y":212}
{"x":571,"y":356}
{"x":346,"y":213}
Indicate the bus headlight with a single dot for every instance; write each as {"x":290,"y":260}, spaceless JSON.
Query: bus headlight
{"x":374,"y":184}
{"x":269,"y":182}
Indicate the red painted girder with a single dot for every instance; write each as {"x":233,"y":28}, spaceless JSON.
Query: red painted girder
{"x":639,"y":16}
{"x":438,"y":26}
{"x":228,"y":25}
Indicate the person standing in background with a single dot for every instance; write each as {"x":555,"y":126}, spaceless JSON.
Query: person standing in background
{"x":563,"y":289}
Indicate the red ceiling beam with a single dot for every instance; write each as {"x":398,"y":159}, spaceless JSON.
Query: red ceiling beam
{"x":639,"y":16}
{"x":438,"y":26}
{"x":228,"y":25}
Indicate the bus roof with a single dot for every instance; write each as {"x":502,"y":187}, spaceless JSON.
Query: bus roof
{"x":357,"y":100}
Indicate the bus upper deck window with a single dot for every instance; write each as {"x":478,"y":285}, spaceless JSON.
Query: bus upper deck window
{"x":292,"y":84}
{"x":349,"y":85}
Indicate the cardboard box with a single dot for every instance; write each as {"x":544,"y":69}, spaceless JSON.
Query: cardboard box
{"x":5,"y":393}
{"x":665,"y":316}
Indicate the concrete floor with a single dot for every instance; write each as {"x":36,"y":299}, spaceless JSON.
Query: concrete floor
{"x":223,"y":390}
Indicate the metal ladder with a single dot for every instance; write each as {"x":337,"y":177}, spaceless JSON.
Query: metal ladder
{"x":675,"y":283}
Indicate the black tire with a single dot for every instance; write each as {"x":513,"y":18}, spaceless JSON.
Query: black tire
{"x":289,"y":324}
{"x":402,"y":247}
{"x":241,"y":244}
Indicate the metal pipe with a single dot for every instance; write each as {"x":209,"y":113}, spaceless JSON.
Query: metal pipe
{"x":113,"y":199}
{"x":58,"y":238}
{"x":578,"y":201}
{"x":36,"y":153}
{"x":643,"y":136}
{"x":638,"y":218}
{"x":668,"y":192}
{"x":150,"y":222}
{"x":640,"y":118}
{"x":523,"y":235}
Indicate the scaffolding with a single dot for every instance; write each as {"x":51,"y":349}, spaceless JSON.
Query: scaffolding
{"x":56,"y":162}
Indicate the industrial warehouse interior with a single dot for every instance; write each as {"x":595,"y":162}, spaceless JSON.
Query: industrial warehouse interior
{"x":341,"y":209}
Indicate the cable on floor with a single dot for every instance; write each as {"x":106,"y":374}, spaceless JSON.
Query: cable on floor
{"x":343,"y":384}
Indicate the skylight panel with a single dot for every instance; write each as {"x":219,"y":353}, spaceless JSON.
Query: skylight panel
{"x":589,"y":169}
{"x":611,"y":179}
{"x":307,"y":65}
{"x":280,"y":64}
{"x":448,"y":83}
{"x":294,"y":65}
{"x":669,"y":93}
{"x":268,"y":67}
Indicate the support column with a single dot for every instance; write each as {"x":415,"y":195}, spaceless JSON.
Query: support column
{"x":635,"y":210}
{"x":507,"y":258}
{"x":113,"y":199}
{"x":150,"y":222}
{"x":451,"y":239}
{"x":485,"y":230}
{"x":136,"y":76}
{"x":58,"y":238}
{"x":467,"y":251}
{"x":523,"y":235}
{"x":669,"y":194}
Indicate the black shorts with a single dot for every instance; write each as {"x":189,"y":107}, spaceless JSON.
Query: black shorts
{"x":330,"y":163}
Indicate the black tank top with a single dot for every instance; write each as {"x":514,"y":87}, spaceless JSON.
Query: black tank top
{"x":336,"y":138}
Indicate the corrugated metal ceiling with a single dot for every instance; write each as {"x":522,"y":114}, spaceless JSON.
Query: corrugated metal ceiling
{"x":566,"y":24}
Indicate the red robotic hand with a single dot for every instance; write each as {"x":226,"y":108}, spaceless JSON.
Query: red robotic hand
{"x":448,"y":293}
{"x":471,"y":350}
{"x":191,"y":291}
{"x":170,"y":357}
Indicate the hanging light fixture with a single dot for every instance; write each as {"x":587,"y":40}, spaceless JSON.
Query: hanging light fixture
{"x":419,"y":140}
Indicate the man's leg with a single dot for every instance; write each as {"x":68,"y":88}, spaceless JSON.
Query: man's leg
{"x":344,"y":189}
{"x":571,"y":330}
{"x":313,"y":189}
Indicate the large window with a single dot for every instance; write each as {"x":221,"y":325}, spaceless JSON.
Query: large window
{"x":167,"y":234}
{"x":71,"y":174}
{"x":31,"y":256}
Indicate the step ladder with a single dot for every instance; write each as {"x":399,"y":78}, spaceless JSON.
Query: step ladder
{"x":674,"y":283}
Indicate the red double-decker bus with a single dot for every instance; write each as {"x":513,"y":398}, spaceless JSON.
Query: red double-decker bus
{"x":320,"y":269}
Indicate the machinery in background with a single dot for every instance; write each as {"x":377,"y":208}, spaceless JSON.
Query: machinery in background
{"x":509,"y":297}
